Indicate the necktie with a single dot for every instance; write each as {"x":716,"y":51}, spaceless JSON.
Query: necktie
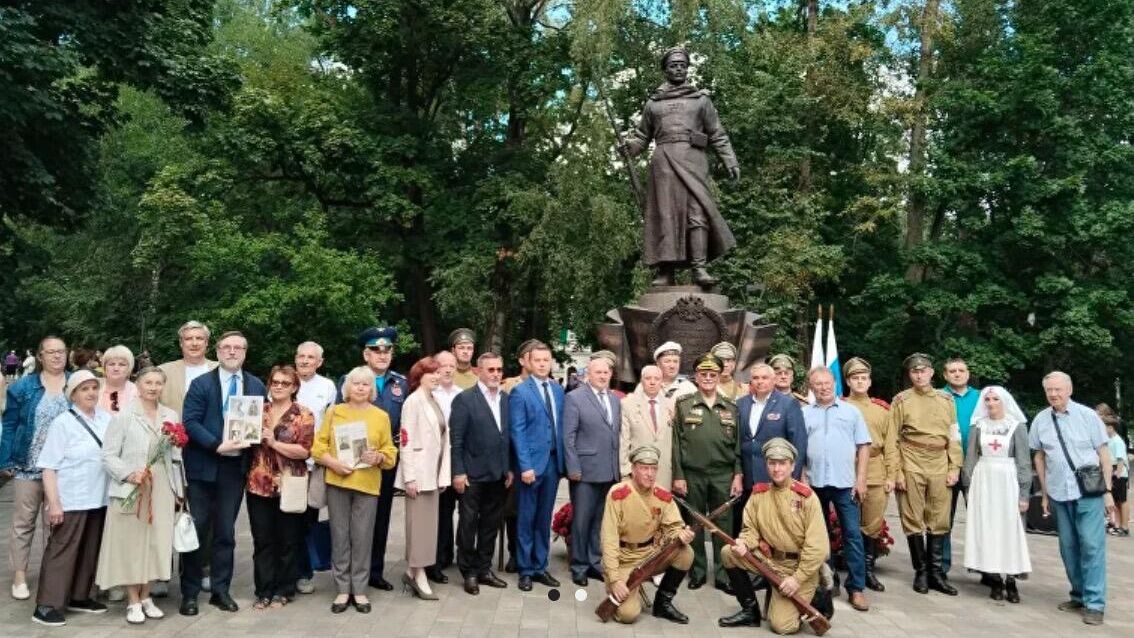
{"x":654,"y":414}
{"x":231,"y":391}
{"x":547,"y":402}
{"x":606,"y":405}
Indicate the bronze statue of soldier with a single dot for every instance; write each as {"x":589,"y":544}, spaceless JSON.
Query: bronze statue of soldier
{"x":683,"y":227}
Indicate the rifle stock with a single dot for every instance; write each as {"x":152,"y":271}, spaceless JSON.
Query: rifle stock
{"x":808,"y":613}
{"x":650,"y":565}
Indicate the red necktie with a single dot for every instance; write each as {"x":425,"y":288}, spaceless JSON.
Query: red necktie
{"x":654,"y":414}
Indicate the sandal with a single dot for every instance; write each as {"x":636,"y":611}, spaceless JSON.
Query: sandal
{"x":262,"y":603}
{"x":278,"y":601}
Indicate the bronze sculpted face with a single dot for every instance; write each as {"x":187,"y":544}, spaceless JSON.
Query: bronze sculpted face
{"x":677,"y":69}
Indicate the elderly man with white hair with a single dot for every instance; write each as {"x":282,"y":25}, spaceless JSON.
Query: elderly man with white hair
{"x":1073,"y":465}
{"x":316,"y":393}
{"x":646,"y":420}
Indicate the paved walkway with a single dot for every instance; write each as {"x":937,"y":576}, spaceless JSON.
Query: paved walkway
{"x":509,"y":614}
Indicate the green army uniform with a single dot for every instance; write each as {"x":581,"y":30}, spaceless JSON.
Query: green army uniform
{"x":706,"y":455}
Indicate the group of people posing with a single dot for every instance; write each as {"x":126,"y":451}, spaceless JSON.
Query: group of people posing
{"x":95,"y":455}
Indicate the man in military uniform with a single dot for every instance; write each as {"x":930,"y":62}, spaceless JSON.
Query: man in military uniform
{"x":784,"y":522}
{"x":784,"y":367}
{"x":667,"y":356}
{"x":639,"y":516}
{"x":706,"y":459}
{"x":462,"y":342}
{"x":727,"y":385}
{"x":924,"y":420}
{"x":883,"y":465}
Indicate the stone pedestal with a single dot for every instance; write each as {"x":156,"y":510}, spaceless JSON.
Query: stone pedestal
{"x":697,"y":320}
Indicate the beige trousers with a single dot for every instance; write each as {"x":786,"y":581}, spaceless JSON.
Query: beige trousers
{"x":27,"y":506}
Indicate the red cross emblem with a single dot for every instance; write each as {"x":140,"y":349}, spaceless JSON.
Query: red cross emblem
{"x":995,"y":445}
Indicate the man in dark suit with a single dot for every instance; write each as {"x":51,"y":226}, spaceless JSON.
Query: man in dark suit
{"x":378,"y":351}
{"x":216,"y":468}
{"x":480,"y":444}
{"x":535,"y":419}
{"x":765,"y":414}
{"x":592,"y":419}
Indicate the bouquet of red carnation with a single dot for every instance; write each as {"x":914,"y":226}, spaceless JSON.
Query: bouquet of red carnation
{"x":561,"y":523}
{"x":884,"y":541}
{"x":172,"y":435}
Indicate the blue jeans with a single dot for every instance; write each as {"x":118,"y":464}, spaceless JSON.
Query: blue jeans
{"x":1082,"y":545}
{"x":847,"y":511}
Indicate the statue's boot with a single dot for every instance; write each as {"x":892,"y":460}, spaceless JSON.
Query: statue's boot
{"x":664,"y":276}
{"x":698,"y":257}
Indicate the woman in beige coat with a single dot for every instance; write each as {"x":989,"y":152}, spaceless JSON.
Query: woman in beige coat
{"x":640,"y":428}
{"x":137,"y":546}
{"x":424,"y":472}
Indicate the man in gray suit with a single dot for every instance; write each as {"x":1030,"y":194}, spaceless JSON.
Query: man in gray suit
{"x":592,"y":419}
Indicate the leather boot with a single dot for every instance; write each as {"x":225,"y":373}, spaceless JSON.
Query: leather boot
{"x":698,"y":257}
{"x":996,"y":587}
{"x":869,"y":548}
{"x":1011,"y":594}
{"x":917,"y":558}
{"x":749,"y":614}
{"x":664,"y":276}
{"x":663,"y":601}
{"x":938,"y":581}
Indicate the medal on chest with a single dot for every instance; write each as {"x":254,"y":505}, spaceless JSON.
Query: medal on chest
{"x":796,"y":505}
{"x":396,"y":390}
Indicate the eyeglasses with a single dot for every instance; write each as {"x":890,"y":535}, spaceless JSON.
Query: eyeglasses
{"x":231,"y":348}
{"x":497,"y":369}
{"x":380,"y":349}
{"x":281,"y":383}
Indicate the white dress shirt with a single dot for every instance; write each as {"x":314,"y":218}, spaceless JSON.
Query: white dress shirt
{"x":603,"y":397}
{"x":756,"y":412}
{"x":493,"y":401}
{"x":444,"y":398}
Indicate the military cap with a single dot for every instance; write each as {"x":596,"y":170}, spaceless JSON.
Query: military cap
{"x":724,"y":350}
{"x":779,"y":448}
{"x":709,"y":361}
{"x":605,"y":355}
{"x":917,"y":360}
{"x":646,"y":455}
{"x":461,"y":335}
{"x":666,"y":348}
{"x":672,"y":51}
{"x":378,"y":336}
{"x":855,"y":366}
{"x":781,"y":361}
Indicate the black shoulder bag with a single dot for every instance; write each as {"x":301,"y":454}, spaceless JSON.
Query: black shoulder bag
{"x":1089,"y":477}
{"x":86,"y":427}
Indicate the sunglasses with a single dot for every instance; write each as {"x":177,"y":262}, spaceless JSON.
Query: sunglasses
{"x":281,"y":383}
{"x":114,"y":401}
{"x":496,"y":369}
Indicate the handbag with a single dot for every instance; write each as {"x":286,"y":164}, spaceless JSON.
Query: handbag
{"x":293,"y":493}
{"x":184,"y":529}
{"x":1089,"y":477}
{"x":316,"y":489}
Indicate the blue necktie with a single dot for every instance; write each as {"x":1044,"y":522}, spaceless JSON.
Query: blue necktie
{"x":231,"y":391}
{"x":547,"y":401}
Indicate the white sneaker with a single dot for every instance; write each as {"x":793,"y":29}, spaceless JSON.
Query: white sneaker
{"x":20,"y":591}
{"x":150,"y":609}
{"x":135,"y":615}
{"x":305,"y":586}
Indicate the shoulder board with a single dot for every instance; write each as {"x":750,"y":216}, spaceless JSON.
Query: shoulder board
{"x":620,"y":492}
{"x":398,"y":375}
{"x":687,"y":398}
{"x":880,"y":403}
{"x":724,"y":398}
{"x":760,"y":488}
{"x":663,"y":495}
{"x":800,"y":488}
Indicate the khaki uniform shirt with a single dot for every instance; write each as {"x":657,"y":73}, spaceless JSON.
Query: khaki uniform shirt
{"x":884,"y":460}
{"x":789,"y":519}
{"x":635,"y":516}
{"x":929,"y":440}
{"x":465,"y":380}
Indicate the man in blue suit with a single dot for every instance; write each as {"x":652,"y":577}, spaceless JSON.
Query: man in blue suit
{"x":216,"y":468}
{"x":378,"y":352}
{"x":764,"y":415}
{"x":592,"y":421}
{"x":535,"y":414}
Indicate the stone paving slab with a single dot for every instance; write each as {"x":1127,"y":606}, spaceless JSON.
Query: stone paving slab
{"x":508,"y":613}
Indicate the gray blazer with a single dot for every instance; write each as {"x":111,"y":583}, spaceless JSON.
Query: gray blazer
{"x":590,"y":440}
{"x":127,"y":444}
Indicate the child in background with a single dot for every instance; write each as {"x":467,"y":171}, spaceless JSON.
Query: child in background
{"x":1119,"y":479}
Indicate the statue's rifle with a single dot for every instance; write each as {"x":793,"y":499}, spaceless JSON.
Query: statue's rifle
{"x":627,"y":159}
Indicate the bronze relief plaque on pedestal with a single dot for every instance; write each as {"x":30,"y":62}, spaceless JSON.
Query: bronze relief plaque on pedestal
{"x":693,"y":325}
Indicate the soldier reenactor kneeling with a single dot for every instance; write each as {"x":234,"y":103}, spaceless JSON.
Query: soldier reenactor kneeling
{"x":784,"y":522}
{"x":639,"y":517}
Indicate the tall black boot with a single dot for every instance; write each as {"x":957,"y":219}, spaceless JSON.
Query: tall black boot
{"x":870,"y":548}
{"x":995,"y":585}
{"x":749,"y":614}
{"x":1011,"y":594}
{"x":698,"y":257}
{"x":663,"y":601}
{"x":938,"y":581}
{"x":664,"y":276}
{"x":917,"y":558}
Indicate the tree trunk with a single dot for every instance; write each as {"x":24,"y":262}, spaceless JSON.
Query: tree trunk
{"x":805,"y":181}
{"x":916,"y":209}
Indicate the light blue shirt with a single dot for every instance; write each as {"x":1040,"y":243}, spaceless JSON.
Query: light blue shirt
{"x":1083,"y":432}
{"x":834,"y":433}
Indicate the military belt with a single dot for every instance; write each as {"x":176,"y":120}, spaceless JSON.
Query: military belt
{"x":925,"y":446}
{"x":628,"y":545}
{"x":875,"y":451}
{"x":775,"y":554}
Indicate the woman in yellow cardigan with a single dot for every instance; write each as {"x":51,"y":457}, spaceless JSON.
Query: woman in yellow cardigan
{"x":352,"y":492}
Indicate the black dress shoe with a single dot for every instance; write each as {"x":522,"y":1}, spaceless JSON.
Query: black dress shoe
{"x":471,"y":586}
{"x":580,"y":581}
{"x":525,"y":583}
{"x":223,"y":602}
{"x":362,"y":608}
{"x":381,"y":583}
{"x":188,"y":607}
{"x":696,"y":583}
{"x":510,"y":566}
{"x":491,"y":580}
{"x":436,"y":575}
{"x":545,"y":578}
{"x":595,"y":574}
{"x":338,"y":608}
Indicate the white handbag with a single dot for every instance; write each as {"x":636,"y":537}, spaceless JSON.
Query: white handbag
{"x":184,"y":530}
{"x":293,"y":493}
